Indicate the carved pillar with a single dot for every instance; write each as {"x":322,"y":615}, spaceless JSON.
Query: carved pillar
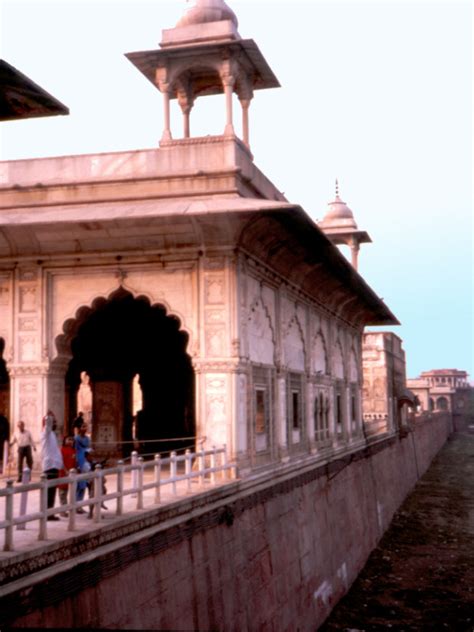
{"x":310,"y":397}
{"x":245,"y":103}
{"x":355,"y":247}
{"x":281,"y":412}
{"x":166,"y":113}
{"x":161,"y":80}
{"x":186,"y":102}
{"x":241,"y":400}
{"x":34,"y":390}
{"x":228,"y":82}
{"x":6,"y":335}
{"x":213,"y":382}
{"x":215,"y":367}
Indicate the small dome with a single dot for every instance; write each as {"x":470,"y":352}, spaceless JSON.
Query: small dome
{"x":339,"y":214}
{"x":204,"y":11}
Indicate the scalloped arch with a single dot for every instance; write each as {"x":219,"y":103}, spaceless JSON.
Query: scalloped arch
{"x":71,"y":325}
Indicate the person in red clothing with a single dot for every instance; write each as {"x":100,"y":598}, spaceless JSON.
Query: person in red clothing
{"x":69,"y":458}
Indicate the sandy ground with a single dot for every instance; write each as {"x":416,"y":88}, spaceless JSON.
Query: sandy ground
{"x":421,"y":576}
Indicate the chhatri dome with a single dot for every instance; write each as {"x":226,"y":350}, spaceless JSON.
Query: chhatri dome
{"x":203,"y":11}
{"x":205,"y":55}
{"x":339,"y":215}
{"x":340,"y":227}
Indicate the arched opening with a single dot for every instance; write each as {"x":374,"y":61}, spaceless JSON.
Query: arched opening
{"x":442,"y":403}
{"x":4,"y":399}
{"x":133,"y":354}
{"x":4,"y":382}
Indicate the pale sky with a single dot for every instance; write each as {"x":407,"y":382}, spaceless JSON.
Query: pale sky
{"x":378,"y":94}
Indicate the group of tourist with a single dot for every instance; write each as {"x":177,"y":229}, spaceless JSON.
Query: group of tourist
{"x":56,"y":462}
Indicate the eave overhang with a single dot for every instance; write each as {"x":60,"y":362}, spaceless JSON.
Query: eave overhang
{"x":263,"y":77}
{"x":279,"y":235}
{"x":20,"y":97}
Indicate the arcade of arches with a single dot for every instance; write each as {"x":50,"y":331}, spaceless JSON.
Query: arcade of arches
{"x":118,"y":343}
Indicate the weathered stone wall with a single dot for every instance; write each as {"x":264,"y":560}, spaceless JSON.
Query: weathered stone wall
{"x":278,"y":552}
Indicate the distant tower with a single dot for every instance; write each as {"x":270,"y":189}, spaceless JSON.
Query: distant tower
{"x":204,"y":55}
{"x":340,"y":227}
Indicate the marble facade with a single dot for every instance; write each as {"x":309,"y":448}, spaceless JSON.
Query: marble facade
{"x":271,"y":313}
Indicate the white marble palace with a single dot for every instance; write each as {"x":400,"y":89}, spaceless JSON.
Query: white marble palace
{"x":174,"y":293}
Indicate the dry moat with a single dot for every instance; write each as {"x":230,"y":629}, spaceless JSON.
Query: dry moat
{"x":421,"y":576}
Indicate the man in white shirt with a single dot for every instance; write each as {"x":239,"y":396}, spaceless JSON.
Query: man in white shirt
{"x":51,"y":456}
{"x":25,"y":443}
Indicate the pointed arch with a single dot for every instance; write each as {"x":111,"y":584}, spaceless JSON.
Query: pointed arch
{"x":261,"y":333}
{"x":338,"y":361}
{"x":71,"y":325}
{"x":293,"y":346}
{"x":353,"y":367}
{"x":114,"y":340}
{"x":320,"y":354}
{"x":4,"y":386}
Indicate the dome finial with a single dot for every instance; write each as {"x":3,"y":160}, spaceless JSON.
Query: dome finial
{"x":337,"y":187}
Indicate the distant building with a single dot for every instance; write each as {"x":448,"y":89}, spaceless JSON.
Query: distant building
{"x":385,"y":397}
{"x":442,"y":390}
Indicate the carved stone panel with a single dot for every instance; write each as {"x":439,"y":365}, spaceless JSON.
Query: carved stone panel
{"x":214,"y":290}
{"x":29,"y":411}
{"x":216,"y":409}
{"x":56,"y":398}
{"x":29,"y":403}
{"x":28,"y":298}
{"x":215,"y":342}
{"x":27,"y":324}
{"x":27,"y":348}
{"x":242,"y":395}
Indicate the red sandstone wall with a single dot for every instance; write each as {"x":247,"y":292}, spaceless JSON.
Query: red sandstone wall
{"x":281,"y":565}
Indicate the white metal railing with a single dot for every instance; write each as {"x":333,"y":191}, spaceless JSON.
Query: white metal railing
{"x":203,"y":466}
